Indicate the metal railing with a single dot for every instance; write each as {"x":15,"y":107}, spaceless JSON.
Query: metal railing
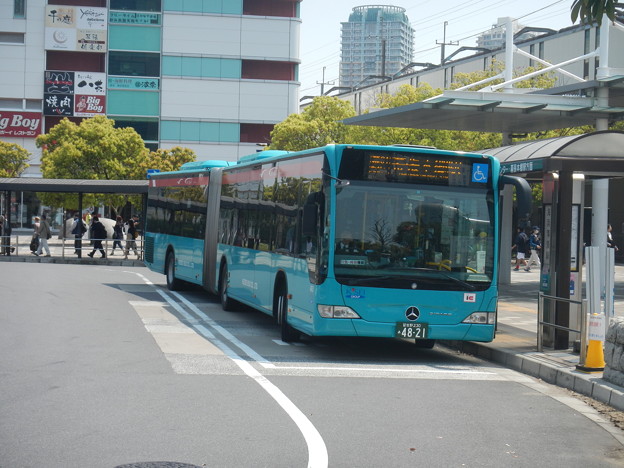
{"x":20,"y":245}
{"x":541,"y":323}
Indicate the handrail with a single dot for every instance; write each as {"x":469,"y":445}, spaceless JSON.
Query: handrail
{"x":540,"y":322}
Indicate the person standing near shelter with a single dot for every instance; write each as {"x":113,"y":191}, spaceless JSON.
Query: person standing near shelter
{"x":78,"y":230}
{"x":98,"y":234}
{"x":610,"y":242}
{"x":522,"y":247}
{"x":131,"y":235}
{"x":45,"y":233}
{"x":535,"y":245}
{"x":118,"y":234}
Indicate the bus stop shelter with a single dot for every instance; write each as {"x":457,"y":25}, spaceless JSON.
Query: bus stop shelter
{"x":8,"y":186}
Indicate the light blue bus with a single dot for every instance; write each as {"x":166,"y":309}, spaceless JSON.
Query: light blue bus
{"x":343,"y":240}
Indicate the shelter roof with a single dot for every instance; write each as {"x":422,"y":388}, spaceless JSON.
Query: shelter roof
{"x":599,"y":154}
{"x":25,"y":184}
{"x":516,"y":112}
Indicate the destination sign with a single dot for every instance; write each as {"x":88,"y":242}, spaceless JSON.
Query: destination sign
{"x":421,"y":168}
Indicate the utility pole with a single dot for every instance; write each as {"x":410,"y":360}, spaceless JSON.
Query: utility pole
{"x":323,"y":83}
{"x":444,"y":43}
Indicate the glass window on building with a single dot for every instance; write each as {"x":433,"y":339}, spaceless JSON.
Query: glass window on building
{"x":133,"y":64}
{"x":19,"y":8}
{"x":136,"y":5}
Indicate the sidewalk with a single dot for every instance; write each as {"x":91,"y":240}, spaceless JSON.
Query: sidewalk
{"x":515,"y":345}
{"x":62,"y":251}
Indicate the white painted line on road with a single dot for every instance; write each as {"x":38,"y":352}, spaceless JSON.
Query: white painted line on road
{"x":226,"y":334}
{"x":376,"y":369}
{"x":317,"y":450}
{"x":281,"y":343}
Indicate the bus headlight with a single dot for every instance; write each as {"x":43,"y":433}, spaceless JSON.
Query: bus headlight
{"x":488,"y":318}
{"x":343,"y":312}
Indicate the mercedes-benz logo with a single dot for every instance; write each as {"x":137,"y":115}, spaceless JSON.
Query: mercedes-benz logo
{"x":412,"y":313}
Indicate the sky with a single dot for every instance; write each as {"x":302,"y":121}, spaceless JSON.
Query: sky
{"x":320,"y":29}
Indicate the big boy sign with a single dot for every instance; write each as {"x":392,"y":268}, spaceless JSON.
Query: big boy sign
{"x":20,"y":124}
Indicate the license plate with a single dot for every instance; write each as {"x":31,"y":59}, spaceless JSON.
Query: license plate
{"x":417,"y":331}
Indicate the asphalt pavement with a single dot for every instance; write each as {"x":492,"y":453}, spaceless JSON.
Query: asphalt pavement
{"x":514,"y":347}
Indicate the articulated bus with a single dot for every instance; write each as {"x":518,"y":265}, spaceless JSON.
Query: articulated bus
{"x":343,"y":240}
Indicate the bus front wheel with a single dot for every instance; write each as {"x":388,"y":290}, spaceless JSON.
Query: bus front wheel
{"x":227,"y":303}
{"x":173,"y":283}
{"x":280,"y":304}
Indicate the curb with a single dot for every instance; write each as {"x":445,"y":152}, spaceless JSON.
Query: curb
{"x":536,"y":365}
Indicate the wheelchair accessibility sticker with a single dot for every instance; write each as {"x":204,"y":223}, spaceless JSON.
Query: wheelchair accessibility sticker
{"x":480,"y":172}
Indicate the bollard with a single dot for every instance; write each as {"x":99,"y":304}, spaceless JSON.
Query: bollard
{"x":594,"y":361}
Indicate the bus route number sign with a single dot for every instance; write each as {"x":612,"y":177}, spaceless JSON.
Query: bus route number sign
{"x":411,"y":330}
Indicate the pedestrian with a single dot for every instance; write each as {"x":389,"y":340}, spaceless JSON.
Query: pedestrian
{"x":535,"y":245}
{"x":98,"y":234}
{"x":45,"y":233}
{"x":610,"y":242}
{"x":78,"y":230}
{"x":522,"y":247}
{"x":131,"y":235}
{"x":118,"y":234}
{"x":34,"y":241}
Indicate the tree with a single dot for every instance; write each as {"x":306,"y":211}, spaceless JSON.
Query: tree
{"x":94,"y":149}
{"x":13,"y":159}
{"x":318,"y":125}
{"x":592,"y":10}
{"x":97,"y":150}
{"x":164,"y":160}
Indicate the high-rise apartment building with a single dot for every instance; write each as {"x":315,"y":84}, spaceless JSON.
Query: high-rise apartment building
{"x":211,"y":75}
{"x":377,"y":40}
{"x":494,"y":37}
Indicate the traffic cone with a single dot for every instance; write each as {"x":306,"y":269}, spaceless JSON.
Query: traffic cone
{"x":594,"y":362}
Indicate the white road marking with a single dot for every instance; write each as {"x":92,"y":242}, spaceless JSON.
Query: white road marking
{"x":317,"y":451}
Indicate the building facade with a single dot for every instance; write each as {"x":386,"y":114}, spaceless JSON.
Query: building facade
{"x":378,"y":40}
{"x":214,"y":76}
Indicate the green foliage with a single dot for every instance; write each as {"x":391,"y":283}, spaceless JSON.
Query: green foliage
{"x":589,"y":11}
{"x":13,"y":159}
{"x":96,"y":150}
{"x":318,"y":125}
{"x":543,"y":81}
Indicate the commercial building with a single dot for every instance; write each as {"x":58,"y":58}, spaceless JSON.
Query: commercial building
{"x":211,"y":75}
{"x":376,"y":41}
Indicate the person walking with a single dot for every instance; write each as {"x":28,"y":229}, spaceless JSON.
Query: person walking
{"x":98,"y":234}
{"x":35,"y":241}
{"x":535,"y":245}
{"x":45,"y":233}
{"x":522,"y":247}
{"x":118,"y":234}
{"x":131,"y":235}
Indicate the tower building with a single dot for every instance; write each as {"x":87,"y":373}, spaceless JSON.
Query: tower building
{"x":378,"y":40}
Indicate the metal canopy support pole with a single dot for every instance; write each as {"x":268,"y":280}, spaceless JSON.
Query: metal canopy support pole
{"x":600,"y":219}
{"x":79,"y":243}
{"x":506,"y":211}
{"x":564,"y":211}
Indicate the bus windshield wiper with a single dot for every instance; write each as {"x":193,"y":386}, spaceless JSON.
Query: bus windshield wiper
{"x":465,"y":284}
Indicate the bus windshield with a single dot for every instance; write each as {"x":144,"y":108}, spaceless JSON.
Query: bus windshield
{"x":413,"y":236}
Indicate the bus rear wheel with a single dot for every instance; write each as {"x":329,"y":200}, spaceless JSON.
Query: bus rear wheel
{"x":227,"y":303}
{"x":173,"y":283}
{"x":280,"y":305}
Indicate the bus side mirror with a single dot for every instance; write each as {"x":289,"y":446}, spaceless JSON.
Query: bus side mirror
{"x":309,"y":225}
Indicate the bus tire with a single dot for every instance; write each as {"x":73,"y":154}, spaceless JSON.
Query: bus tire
{"x":227,"y":303}
{"x":280,"y":304}
{"x":425,"y":344}
{"x":173,"y":284}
